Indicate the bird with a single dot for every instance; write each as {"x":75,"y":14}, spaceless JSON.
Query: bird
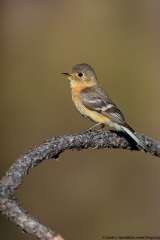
{"x":94,"y":103}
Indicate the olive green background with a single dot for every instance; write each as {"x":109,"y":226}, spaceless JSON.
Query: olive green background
{"x":91,"y":193}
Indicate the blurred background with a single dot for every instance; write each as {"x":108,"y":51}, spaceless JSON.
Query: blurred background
{"x":92,"y":193}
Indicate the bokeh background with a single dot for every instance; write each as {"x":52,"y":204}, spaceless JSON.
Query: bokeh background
{"x":92,"y":193}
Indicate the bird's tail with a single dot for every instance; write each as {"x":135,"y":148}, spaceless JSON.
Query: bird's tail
{"x":130,"y":132}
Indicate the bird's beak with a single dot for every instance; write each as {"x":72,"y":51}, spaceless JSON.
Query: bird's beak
{"x":66,"y":74}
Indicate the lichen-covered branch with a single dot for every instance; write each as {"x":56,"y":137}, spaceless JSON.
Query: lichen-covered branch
{"x":52,"y":148}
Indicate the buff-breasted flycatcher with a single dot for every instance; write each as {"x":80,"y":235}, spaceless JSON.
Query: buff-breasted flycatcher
{"x":94,"y":103}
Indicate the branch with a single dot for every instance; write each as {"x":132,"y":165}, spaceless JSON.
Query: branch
{"x":52,"y":148}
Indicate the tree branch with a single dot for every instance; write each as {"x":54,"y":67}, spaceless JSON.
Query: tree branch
{"x":52,"y":148}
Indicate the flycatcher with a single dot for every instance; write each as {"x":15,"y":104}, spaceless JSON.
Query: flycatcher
{"x":94,"y":103}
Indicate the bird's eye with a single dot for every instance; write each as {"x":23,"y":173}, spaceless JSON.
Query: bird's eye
{"x":80,"y":74}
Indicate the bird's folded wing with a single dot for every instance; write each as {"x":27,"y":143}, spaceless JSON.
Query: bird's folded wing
{"x":99,"y":101}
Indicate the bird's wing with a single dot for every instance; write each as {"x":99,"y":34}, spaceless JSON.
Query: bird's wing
{"x":97,"y":100}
